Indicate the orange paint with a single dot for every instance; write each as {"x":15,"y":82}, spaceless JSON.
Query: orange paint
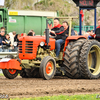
{"x":30,"y":50}
{"x":76,"y":37}
{"x":12,"y":71}
{"x":12,"y":64}
{"x":71,"y":38}
{"x":48,"y":68}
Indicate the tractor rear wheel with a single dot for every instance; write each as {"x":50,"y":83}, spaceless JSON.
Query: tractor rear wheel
{"x":23,"y":73}
{"x":32,"y":73}
{"x":90,"y":60}
{"x":35,"y":73}
{"x":71,"y":58}
{"x":11,"y":73}
{"x":47,"y":68}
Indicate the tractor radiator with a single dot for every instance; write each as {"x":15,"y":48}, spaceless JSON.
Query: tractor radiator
{"x":28,"y":47}
{"x":20,"y":46}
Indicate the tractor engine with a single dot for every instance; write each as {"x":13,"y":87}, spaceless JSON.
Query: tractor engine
{"x":29,"y":46}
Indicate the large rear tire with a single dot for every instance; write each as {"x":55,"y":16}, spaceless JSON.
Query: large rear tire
{"x":23,"y":73}
{"x":35,"y":73}
{"x":90,"y":60}
{"x":32,"y":73}
{"x":47,"y":68}
{"x":71,"y":58}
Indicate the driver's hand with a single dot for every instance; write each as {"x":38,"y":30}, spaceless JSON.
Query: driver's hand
{"x":49,"y":30}
{"x":53,"y":32}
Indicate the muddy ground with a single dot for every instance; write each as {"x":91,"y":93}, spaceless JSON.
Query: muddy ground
{"x":33,"y":87}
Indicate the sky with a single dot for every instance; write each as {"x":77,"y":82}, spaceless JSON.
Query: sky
{"x":2,"y":2}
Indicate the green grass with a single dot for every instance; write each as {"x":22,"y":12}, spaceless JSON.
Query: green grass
{"x":1,"y":74}
{"x":62,"y":97}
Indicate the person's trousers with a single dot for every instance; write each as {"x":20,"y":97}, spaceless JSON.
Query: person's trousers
{"x":1,"y":50}
{"x":58,"y":44}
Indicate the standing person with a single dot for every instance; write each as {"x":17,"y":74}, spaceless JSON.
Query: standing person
{"x":7,"y":43}
{"x":98,"y":23}
{"x":97,"y":32}
{"x":87,"y":34}
{"x":12,"y":41}
{"x":58,"y":32}
{"x":14,"y":33}
{"x":32,"y":32}
{"x":91,"y":34}
{"x":16,"y":41}
{"x":2,"y":37}
{"x":66,"y":27}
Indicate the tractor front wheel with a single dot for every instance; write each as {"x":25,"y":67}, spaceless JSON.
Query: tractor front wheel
{"x":10,"y":73}
{"x":47,"y":68}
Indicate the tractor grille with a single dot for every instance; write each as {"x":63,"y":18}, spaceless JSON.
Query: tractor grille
{"x":29,"y":47}
{"x":20,"y":46}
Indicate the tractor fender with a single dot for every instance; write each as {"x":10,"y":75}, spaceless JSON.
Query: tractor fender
{"x":75,"y":37}
{"x":70,"y":38}
{"x":8,"y":63}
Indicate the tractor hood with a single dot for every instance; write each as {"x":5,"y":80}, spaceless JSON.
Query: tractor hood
{"x":28,"y":46}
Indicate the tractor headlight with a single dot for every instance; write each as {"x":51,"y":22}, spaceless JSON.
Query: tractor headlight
{"x":42,"y":44}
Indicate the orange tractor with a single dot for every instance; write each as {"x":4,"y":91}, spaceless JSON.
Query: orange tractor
{"x":78,"y":58}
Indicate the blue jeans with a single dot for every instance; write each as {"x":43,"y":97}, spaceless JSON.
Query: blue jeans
{"x":15,"y":48}
{"x":7,"y":50}
{"x":1,"y":50}
{"x":58,"y":44}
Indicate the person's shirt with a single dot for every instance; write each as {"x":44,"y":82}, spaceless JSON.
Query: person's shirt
{"x":12,"y":38}
{"x":59,"y":30}
{"x":2,"y":38}
{"x":97,"y":34}
{"x":7,"y":42}
{"x":16,"y":41}
{"x":34,"y":35}
{"x":67,"y":32}
{"x":98,"y":27}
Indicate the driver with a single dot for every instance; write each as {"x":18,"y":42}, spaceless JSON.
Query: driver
{"x":58,"y":32}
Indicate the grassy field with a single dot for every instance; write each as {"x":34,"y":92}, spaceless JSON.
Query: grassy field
{"x":1,"y":74}
{"x":61,"y":97}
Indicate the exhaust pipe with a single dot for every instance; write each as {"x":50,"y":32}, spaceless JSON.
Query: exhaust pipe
{"x":47,"y":33}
